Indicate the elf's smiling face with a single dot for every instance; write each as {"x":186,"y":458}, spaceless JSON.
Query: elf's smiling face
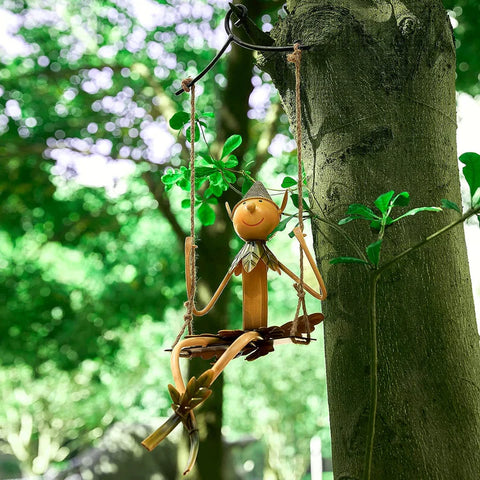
{"x":255,"y":218}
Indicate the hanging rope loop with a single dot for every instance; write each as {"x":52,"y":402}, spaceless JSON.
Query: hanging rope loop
{"x":296,"y":58}
{"x":186,"y":84}
{"x":190,"y":303}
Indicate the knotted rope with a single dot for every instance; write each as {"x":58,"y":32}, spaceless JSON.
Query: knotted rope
{"x":296,"y":58}
{"x":190,"y":303}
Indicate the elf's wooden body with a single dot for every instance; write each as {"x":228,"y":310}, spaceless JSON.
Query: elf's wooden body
{"x":254,"y":284}
{"x":255,"y":297}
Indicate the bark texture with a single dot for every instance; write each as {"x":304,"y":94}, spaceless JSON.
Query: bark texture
{"x":378,"y":106}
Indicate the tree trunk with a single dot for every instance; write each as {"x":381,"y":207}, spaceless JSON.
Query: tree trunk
{"x":378,"y":109}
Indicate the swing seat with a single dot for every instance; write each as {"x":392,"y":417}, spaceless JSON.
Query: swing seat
{"x":270,"y":336}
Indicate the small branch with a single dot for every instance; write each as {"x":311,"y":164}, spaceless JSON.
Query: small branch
{"x":339,"y":230}
{"x":463,"y":218}
{"x":370,"y":440}
{"x":372,"y":417}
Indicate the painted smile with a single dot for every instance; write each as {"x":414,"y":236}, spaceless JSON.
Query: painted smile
{"x":254,"y":224}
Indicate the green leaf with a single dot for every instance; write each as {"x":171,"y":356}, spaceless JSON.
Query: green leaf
{"x":373,"y":252}
{"x":376,"y":225}
{"x":294,"y":197}
{"x":211,"y":200}
{"x":282,"y":225}
{"x":208,"y":158}
{"x":449,"y":204}
{"x":288,"y":182}
{"x":186,"y":203}
{"x":247,"y":183}
{"x":208,"y":115}
{"x":216,"y":178}
{"x":471,"y":170}
{"x":217,"y":190}
{"x":213,"y":190}
{"x":179,"y":120}
{"x":206,"y":214}
{"x":416,"y":210}
{"x":174,"y":394}
{"x":476,"y":198}
{"x":383,"y":201}
{"x":232,"y":162}
{"x":358,"y":210}
{"x":401,"y":200}
{"x":469,"y":158}
{"x":229,"y":176}
{"x":171,"y":178}
{"x":204,"y":171}
{"x":231,"y":144}
{"x":336,"y":260}
{"x":197,"y":134}
{"x":345,"y":220}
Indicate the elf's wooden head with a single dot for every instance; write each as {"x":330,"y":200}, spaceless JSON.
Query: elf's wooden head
{"x":256,"y":215}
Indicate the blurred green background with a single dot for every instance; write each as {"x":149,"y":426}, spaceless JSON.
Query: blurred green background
{"x":91,"y":263}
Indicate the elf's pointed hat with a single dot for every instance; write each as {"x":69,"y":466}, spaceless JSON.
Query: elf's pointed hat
{"x":257,"y":190}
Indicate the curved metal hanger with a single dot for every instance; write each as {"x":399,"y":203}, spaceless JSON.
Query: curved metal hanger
{"x":242,"y":13}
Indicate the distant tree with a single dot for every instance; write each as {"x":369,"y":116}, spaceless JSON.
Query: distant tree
{"x":467,"y":24}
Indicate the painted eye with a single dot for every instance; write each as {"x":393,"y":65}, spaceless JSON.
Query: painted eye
{"x":260,"y":201}
{"x":244,"y":203}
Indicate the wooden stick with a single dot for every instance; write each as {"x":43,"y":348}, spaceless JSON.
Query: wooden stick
{"x":323,"y":291}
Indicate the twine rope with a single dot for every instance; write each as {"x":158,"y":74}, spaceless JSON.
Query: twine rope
{"x":190,"y":303}
{"x":296,"y":58}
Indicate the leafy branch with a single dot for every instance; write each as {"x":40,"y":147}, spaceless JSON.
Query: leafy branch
{"x":219,"y":174}
{"x":379,"y":220}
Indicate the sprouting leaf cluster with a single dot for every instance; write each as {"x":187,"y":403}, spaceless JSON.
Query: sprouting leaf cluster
{"x":379,"y":218}
{"x":215,"y":175}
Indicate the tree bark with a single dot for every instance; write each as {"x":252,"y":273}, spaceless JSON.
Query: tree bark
{"x":378,"y":110}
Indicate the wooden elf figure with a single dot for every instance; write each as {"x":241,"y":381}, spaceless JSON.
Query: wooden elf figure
{"x":254,"y":219}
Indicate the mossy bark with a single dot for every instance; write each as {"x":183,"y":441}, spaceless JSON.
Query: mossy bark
{"x":378,"y":107}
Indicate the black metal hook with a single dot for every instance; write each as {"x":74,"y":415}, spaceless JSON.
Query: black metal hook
{"x":241,"y":13}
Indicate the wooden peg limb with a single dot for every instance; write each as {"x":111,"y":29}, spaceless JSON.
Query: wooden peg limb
{"x":301,"y":238}
{"x":229,"y":210}
{"x":322,"y":294}
{"x":175,"y":357}
{"x":189,"y":247}
{"x":235,"y":348}
{"x":284,"y":201}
